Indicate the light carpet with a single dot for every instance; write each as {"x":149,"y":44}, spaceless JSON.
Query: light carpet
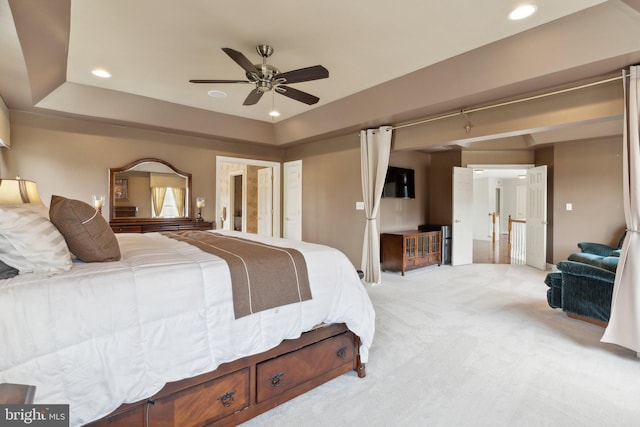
{"x":475,"y":345}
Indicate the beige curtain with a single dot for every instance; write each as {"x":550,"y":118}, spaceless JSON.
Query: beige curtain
{"x":375,"y":147}
{"x":624,"y":323}
{"x":157,"y":198}
{"x":168,"y":180}
{"x":178,"y":195}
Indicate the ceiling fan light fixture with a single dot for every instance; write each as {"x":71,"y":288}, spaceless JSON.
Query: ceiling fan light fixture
{"x":522,"y":12}
{"x":273,"y":113}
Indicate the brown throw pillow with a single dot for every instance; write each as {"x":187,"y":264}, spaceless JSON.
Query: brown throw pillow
{"x":87,"y":233}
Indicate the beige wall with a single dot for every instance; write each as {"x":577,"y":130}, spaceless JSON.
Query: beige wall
{"x":440,"y":186}
{"x":408,"y":214}
{"x":587,"y":174}
{"x":330,"y":189}
{"x":331,"y":182}
{"x":72,"y":157}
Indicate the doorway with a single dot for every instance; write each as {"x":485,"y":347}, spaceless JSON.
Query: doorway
{"x":243,"y":212}
{"x":499,"y":192}
{"x":237,"y":205}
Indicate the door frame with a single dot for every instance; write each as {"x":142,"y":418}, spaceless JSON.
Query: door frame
{"x":243,"y":201}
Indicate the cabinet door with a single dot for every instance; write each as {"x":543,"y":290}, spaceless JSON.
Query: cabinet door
{"x":410,"y":247}
{"x":423,"y":245}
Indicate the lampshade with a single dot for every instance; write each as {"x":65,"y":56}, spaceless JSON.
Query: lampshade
{"x":18,"y":191}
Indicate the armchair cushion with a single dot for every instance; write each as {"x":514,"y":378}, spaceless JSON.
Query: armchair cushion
{"x":609,"y":263}
{"x":598,"y":254}
{"x":587,"y":258}
{"x":597,"y":249}
{"x":586,"y":290}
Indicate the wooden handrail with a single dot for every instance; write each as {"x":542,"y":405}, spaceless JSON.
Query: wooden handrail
{"x":493,"y":216}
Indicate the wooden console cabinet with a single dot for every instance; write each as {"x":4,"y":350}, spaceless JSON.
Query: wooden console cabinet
{"x":147,"y":226}
{"x":405,"y":250}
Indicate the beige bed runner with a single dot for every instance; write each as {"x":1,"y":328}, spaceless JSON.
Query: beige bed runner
{"x":262,"y":276}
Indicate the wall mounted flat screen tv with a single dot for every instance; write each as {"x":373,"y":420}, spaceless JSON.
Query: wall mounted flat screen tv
{"x":399,"y":183}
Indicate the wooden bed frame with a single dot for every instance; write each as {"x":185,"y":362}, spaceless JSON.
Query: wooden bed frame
{"x":240,"y":390}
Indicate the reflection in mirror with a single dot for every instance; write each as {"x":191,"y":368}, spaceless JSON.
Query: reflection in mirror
{"x":149,"y":189}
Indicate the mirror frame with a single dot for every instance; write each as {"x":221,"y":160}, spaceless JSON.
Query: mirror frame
{"x":112,"y":177}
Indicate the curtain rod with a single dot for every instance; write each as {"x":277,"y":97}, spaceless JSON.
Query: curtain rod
{"x":514,"y":101}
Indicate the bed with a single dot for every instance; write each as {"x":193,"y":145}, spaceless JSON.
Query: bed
{"x":153,"y":336}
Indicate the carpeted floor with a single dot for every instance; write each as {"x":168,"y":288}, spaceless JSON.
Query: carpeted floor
{"x":475,"y":345}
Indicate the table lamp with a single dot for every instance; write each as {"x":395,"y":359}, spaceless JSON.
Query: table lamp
{"x":18,"y":191}
{"x":98,"y":202}
{"x":199,"y":205}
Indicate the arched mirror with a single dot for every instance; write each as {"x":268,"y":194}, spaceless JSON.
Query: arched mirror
{"x":149,"y":190}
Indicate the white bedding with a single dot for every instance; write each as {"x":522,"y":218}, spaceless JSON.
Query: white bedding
{"x":103,"y":334}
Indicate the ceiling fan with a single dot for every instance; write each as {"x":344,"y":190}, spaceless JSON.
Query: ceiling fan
{"x":266,"y":77}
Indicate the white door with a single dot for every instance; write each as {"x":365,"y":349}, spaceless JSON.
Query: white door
{"x":537,"y":217}
{"x":293,"y":200}
{"x":265,"y":202}
{"x":462,"y":221}
{"x":521,"y":202}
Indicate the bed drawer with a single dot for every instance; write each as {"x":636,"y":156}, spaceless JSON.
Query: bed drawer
{"x":276,"y":376}
{"x":203,"y":404}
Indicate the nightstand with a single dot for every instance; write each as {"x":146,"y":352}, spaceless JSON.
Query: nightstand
{"x":16,"y":394}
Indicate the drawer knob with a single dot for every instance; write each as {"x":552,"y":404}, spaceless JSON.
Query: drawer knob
{"x":276,"y":380}
{"x":227,"y":399}
{"x":342,"y":352}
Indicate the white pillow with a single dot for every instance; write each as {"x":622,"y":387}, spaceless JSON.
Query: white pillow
{"x":30,"y":242}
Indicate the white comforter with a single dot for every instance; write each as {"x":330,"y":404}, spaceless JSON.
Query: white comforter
{"x":103,"y":334}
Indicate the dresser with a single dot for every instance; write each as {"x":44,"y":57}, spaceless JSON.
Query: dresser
{"x":148,"y":226}
{"x":406,"y":250}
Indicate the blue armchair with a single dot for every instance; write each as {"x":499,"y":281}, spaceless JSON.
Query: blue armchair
{"x":583,"y":291}
{"x":599,"y":254}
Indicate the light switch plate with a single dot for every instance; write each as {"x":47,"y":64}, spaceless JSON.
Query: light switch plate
{"x":359,"y":206}
{"x":569,"y":207}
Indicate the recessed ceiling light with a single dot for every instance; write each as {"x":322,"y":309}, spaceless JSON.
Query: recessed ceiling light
{"x":274,"y":113}
{"x":99,"y":72}
{"x":217,"y":94}
{"x":522,"y":12}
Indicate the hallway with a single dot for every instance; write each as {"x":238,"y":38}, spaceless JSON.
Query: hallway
{"x":487,"y":252}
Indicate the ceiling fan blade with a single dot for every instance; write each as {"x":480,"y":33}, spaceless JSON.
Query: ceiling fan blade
{"x":241,"y":60}
{"x":298,"y":95}
{"x":303,"y":75}
{"x":219,"y":81}
{"x":253,"y":97}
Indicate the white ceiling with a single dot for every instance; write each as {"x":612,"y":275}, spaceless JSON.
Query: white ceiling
{"x":389,"y":63}
{"x":153,"y":47}
{"x":499,"y":171}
